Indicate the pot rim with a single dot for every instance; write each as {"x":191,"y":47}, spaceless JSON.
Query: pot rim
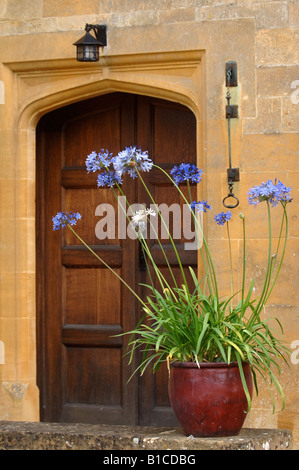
{"x":205,"y":365}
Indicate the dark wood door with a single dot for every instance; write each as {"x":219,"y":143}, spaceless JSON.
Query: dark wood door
{"x":82,"y":307}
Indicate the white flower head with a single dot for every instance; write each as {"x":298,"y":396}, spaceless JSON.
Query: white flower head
{"x":139,"y":219}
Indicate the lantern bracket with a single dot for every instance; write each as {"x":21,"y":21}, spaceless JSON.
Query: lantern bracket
{"x":100,"y":31}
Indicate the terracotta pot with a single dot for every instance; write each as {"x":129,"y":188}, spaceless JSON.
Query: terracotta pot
{"x":210,"y":400}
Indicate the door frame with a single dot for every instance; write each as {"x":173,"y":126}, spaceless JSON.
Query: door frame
{"x":52,"y":403}
{"x":175,"y":76}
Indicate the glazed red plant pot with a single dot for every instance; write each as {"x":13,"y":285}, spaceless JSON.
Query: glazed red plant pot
{"x":209,"y":400}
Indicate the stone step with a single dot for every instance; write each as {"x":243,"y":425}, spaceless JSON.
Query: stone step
{"x":67,"y":436}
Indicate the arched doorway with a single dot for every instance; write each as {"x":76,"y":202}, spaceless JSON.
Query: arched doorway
{"x":82,"y":371}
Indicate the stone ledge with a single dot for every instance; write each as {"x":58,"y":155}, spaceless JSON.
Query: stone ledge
{"x":62,"y":436}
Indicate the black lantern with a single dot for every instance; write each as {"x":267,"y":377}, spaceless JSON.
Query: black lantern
{"x":88,"y":46}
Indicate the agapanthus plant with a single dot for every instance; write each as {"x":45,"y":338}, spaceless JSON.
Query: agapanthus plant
{"x":195,"y":322}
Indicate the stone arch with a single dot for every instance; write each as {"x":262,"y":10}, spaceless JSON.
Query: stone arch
{"x":33,"y":111}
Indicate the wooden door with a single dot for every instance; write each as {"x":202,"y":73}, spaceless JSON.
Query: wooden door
{"x":82,"y":307}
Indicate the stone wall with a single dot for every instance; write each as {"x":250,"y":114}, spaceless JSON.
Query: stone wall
{"x":38,"y":72}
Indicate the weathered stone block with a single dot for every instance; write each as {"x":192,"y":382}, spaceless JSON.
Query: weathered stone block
{"x":69,"y":7}
{"x":272,"y":152}
{"x":266,"y":15}
{"x":293,"y":13}
{"x":47,"y":436}
{"x":268,"y":120}
{"x":14,"y":9}
{"x":277,"y":46}
{"x":177,"y":16}
{"x":290,"y":115}
{"x":278,"y":81}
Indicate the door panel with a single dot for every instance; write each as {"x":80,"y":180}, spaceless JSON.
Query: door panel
{"x":84,"y":374}
{"x":82,"y":307}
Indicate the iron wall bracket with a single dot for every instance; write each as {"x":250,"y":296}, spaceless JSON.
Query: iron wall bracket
{"x":100,"y":31}
{"x":232,"y":111}
{"x":233,"y":174}
{"x":231,"y":73}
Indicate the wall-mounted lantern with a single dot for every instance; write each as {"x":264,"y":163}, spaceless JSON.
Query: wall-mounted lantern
{"x":88,"y":46}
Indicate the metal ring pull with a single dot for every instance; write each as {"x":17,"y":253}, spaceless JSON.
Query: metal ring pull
{"x":230,"y":206}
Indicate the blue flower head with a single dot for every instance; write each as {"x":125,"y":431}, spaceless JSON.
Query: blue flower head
{"x":130,"y":160}
{"x":222,"y":217}
{"x":97,"y":161}
{"x":108,"y":179}
{"x":62,"y":219}
{"x":186,"y":172}
{"x":200,"y":206}
{"x":273,"y":192}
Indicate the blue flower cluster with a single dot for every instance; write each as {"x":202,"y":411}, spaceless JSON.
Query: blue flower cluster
{"x":62,"y":219}
{"x":186,"y":172}
{"x":222,"y":217}
{"x":98,"y":161}
{"x":127,"y":161}
{"x":130,"y":160}
{"x":273,"y":192}
{"x":200,"y":206}
{"x":108,"y":179}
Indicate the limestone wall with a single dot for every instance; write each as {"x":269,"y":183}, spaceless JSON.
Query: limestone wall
{"x":38,"y":72}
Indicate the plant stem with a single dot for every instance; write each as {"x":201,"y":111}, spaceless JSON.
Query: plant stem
{"x":105,"y":264}
{"x":209,"y":266}
{"x":268,"y":271}
{"x":231,"y":264}
{"x":189,"y":191}
{"x":244,"y":261}
{"x":145,"y":246}
{"x":285,"y":216}
{"x":168,"y":232}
